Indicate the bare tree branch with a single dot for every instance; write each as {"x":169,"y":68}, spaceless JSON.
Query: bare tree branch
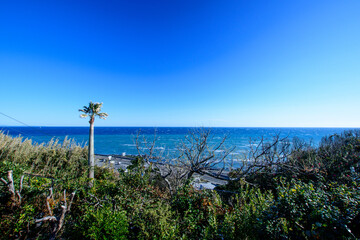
{"x":44,"y":219}
{"x":65,"y":209}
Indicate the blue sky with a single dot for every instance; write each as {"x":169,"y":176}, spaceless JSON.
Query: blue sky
{"x":181,"y":63}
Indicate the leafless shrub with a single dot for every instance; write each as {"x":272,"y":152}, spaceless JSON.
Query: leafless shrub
{"x":196,"y":154}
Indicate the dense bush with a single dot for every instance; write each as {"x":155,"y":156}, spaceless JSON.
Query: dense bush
{"x":102,"y":223}
{"x":200,"y":213}
{"x":302,"y":210}
{"x":315,"y":195}
{"x":242,"y":222}
{"x":337,"y":158}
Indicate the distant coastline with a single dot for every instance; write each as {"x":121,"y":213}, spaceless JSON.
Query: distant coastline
{"x":118,"y":140}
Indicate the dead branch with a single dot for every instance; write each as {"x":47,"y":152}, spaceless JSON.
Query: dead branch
{"x":18,"y":192}
{"x":15,"y":194}
{"x":48,"y":201}
{"x":98,"y":203}
{"x":44,"y":219}
{"x":58,"y":221}
{"x":266,"y":157}
{"x":65,"y":209}
{"x":197,"y":156}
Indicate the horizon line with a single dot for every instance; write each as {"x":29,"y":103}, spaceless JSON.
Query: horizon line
{"x":175,"y":126}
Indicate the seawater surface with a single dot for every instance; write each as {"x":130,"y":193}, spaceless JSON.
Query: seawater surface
{"x":118,"y":140}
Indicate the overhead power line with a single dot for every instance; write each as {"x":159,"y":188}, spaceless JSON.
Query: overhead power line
{"x":15,"y":119}
{"x":36,"y":129}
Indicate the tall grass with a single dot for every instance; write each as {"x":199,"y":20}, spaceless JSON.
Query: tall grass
{"x":56,"y":159}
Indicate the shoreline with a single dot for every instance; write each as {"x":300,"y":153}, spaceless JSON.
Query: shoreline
{"x":122,"y":162}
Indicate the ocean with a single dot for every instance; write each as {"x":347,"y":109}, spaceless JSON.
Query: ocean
{"x":119,"y":140}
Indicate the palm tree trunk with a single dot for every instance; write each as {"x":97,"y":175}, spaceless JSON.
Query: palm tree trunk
{"x":91,"y":150}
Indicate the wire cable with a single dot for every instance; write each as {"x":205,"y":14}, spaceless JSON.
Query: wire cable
{"x":15,"y":119}
{"x":25,"y":125}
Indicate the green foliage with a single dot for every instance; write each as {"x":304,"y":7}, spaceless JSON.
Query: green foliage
{"x":317,"y":197}
{"x":200,"y":213}
{"x":15,"y":223}
{"x":336,"y":159}
{"x":340,"y":156}
{"x":103,"y":223}
{"x":153,"y":220}
{"x":93,"y":110}
{"x":306,"y":211}
{"x":242,"y":221}
{"x":137,"y":164}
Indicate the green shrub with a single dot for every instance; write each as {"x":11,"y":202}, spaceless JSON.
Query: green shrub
{"x":15,"y":224}
{"x":102,"y":223}
{"x":200,"y":213}
{"x":242,"y":221}
{"x":153,"y":220}
{"x":303,"y":210}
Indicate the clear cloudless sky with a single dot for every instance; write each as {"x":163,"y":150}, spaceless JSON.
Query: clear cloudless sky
{"x":211,"y":63}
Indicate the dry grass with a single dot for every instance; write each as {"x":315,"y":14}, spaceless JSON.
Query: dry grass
{"x":55,"y":159}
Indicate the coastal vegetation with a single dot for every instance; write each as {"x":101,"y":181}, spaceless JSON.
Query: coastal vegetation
{"x":284,"y":190}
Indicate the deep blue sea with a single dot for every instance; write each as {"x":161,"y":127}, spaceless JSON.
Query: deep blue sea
{"x":118,"y":140}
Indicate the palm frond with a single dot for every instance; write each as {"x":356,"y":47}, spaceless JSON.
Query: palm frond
{"x":103,"y":115}
{"x":94,"y":109}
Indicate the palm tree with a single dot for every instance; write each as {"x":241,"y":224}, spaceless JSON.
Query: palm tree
{"x":92,"y":111}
